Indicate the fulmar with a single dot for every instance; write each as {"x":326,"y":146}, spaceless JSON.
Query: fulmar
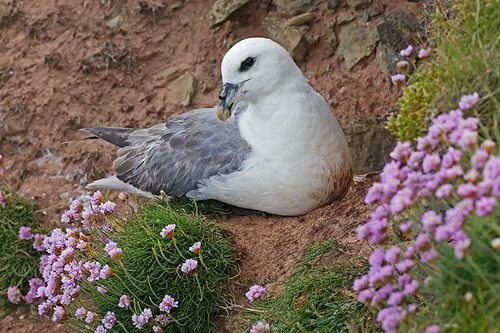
{"x":271,"y":145}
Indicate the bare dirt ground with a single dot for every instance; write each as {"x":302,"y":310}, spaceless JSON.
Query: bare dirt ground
{"x":62,"y":68}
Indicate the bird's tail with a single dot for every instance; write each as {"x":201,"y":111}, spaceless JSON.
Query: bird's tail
{"x":115,"y":184}
{"x":115,"y":135}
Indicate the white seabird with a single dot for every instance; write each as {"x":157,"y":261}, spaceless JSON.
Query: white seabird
{"x":280,"y":149}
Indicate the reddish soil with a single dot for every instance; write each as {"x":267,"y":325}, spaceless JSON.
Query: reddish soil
{"x":62,"y":68}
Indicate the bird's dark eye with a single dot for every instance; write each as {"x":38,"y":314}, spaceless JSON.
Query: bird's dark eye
{"x":246,"y":64}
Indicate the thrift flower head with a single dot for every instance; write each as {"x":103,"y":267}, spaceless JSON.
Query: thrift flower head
{"x":142,"y":319}
{"x":25,"y":233}
{"x":168,"y":231}
{"x":107,"y":208}
{"x":189,"y":266}
{"x":113,"y":250}
{"x":100,"y":329}
{"x":255,"y":292}
{"x":2,"y":199}
{"x":102,"y":290}
{"x":468,"y":101}
{"x":58,"y":314}
{"x":407,"y":51}
{"x":124,"y":302}
{"x":424,"y":53}
{"x":109,"y":320}
{"x":398,"y":80}
{"x":168,"y":303}
{"x":196,"y":248}
{"x":162,"y":320}
{"x":495,"y":244}
{"x":403,"y":66}
{"x":80,"y":313}
{"x":14,"y":294}
{"x":260,"y":327}
{"x":90,"y":317}
{"x":123,"y":196}
{"x":432,"y":329}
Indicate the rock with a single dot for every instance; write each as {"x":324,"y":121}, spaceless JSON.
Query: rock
{"x":291,"y":38}
{"x":375,"y":9}
{"x":293,"y":7}
{"x":395,"y":32}
{"x":345,"y":17}
{"x":115,"y":22}
{"x":300,"y":19}
{"x":332,"y":43}
{"x":358,"y":4}
{"x":182,"y":89}
{"x":332,"y":4}
{"x":356,"y":41}
{"x":370,"y":143}
{"x":222,"y":9}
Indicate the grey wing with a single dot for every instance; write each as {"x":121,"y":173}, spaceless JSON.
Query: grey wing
{"x":175,"y":156}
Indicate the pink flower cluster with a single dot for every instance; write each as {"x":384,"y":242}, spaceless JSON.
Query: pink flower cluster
{"x":145,"y":317}
{"x":189,"y":266}
{"x":449,"y":164}
{"x":403,"y":66}
{"x":260,"y":327}
{"x":255,"y":292}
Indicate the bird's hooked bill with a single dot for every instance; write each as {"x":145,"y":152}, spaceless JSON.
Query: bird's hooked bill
{"x":228,"y":99}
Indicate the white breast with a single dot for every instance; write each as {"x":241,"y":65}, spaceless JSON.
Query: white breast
{"x":298,"y":148}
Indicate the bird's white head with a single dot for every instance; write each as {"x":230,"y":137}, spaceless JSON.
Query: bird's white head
{"x":252,"y":69}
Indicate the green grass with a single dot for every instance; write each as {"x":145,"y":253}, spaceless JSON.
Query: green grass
{"x":150,"y":269}
{"x":18,"y":260}
{"x":317,"y":298}
{"x":442,"y":300}
{"x":465,"y":58}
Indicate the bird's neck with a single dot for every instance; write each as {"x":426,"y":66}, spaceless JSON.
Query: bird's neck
{"x":275,"y":120}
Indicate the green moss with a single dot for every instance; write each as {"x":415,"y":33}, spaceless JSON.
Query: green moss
{"x":18,"y":260}
{"x":150,"y":269}
{"x":317,"y":298}
{"x":464,"y":59}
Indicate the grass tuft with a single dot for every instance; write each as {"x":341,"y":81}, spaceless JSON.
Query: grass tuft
{"x":465,"y":58}
{"x":18,"y":260}
{"x":150,"y":269}
{"x":316,"y":298}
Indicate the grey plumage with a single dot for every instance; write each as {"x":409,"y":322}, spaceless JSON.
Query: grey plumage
{"x":175,"y":156}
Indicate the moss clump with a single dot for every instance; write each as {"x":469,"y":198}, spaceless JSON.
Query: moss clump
{"x":150,"y":269}
{"x":317,"y":298}
{"x":18,"y":260}
{"x":464,"y":60}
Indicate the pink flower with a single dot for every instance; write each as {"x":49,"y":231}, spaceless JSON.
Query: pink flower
{"x":189,"y":266}
{"x":485,"y":205}
{"x":107,"y":208}
{"x":398,"y":79}
{"x":25,"y":233}
{"x":468,"y":101}
{"x":424,"y":53}
{"x":123,"y":196}
{"x":102,"y":290}
{"x":124,"y":302}
{"x":113,"y":250}
{"x":260,"y":327}
{"x":168,"y":303}
{"x":142,"y":319}
{"x":58,"y":314}
{"x":168,"y":231}
{"x":109,"y":320}
{"x":407,"y":51}
{"x":432,"y":329}
{"x":2,"y":199}
{"x":255,"y":292}
{"x":14,"y":294}
{"x":196,"y":248}
{"x":80,"y":313}
{"x":90,"y":317}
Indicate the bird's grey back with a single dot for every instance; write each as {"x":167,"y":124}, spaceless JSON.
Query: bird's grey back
{"x":175,"y":156}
